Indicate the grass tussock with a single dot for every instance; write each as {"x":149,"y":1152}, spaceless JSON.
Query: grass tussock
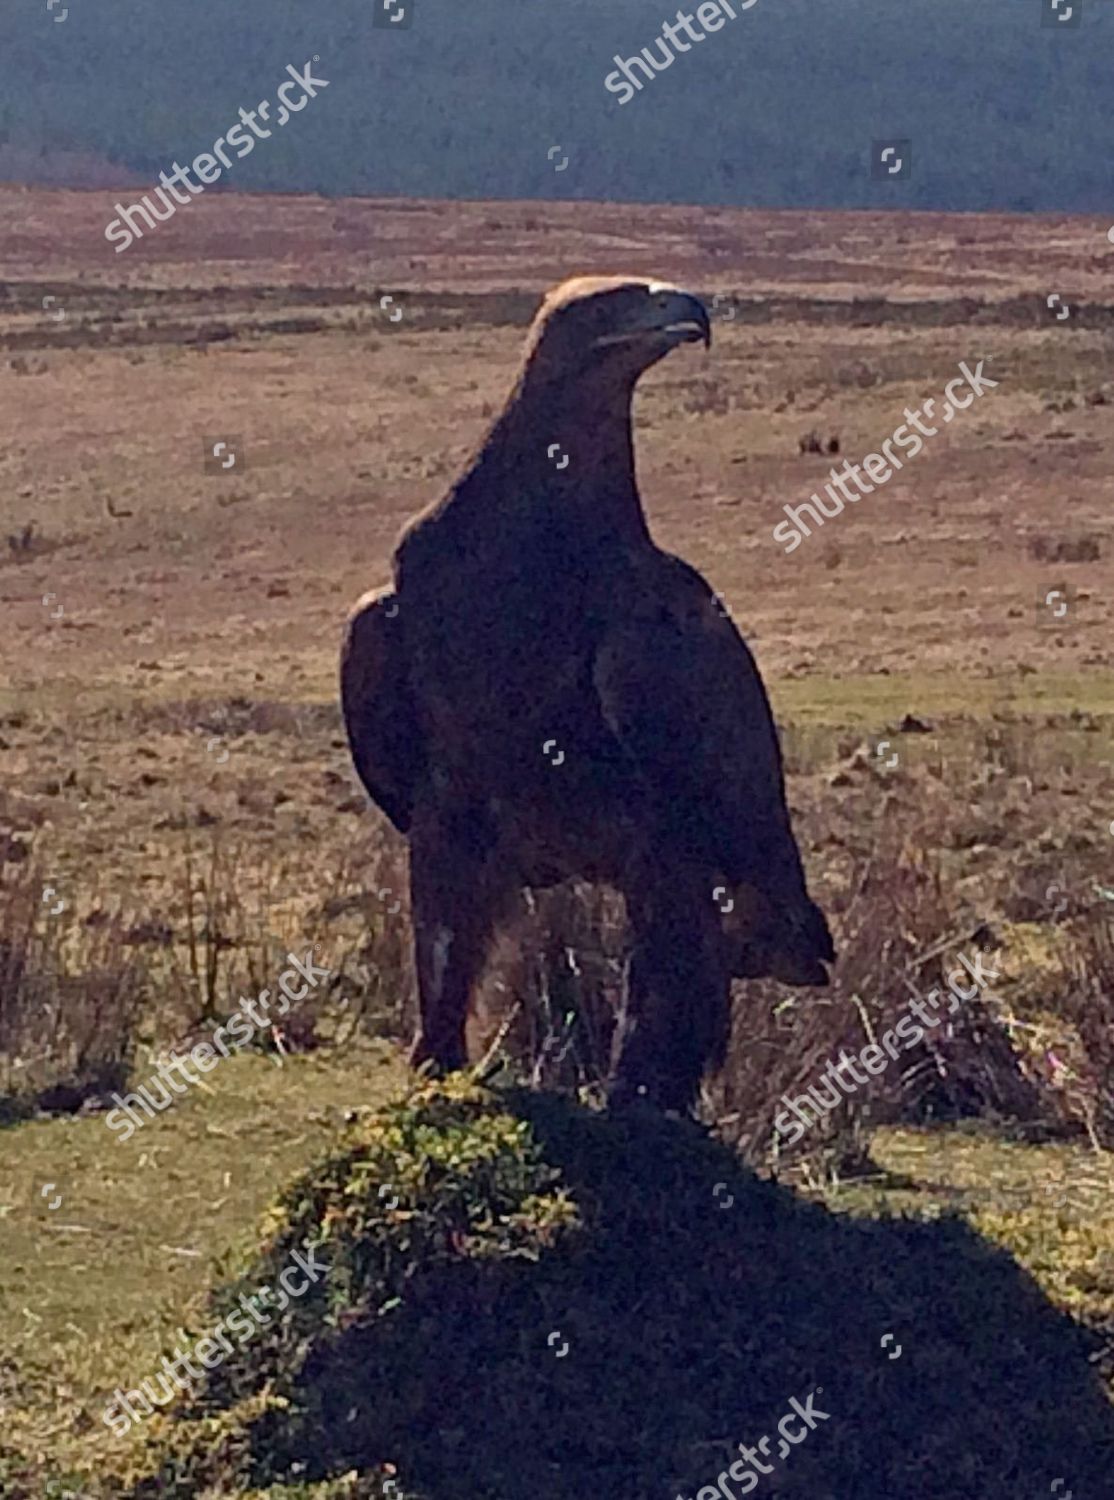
{"x":1031,"y":1051}
{"x":71,"y":991}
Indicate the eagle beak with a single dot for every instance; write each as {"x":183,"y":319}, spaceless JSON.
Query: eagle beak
{"x":680,"y":316}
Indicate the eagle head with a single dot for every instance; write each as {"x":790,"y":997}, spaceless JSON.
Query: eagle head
{"x":621,"y":323}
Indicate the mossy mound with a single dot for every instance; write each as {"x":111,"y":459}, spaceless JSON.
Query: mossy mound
{"x":443,"y":1184}
{"x":525,"y":1297}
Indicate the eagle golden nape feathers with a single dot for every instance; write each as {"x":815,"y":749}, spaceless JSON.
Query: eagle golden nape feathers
{"x":531,"y":599}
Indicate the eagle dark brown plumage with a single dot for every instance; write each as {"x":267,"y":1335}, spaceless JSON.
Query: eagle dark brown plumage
{"x":545,"y":694}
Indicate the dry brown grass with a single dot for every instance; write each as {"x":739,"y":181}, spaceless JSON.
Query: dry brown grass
{"x":901,"y":922}
{"x":70,"y":996}
{"x":171,"y":738}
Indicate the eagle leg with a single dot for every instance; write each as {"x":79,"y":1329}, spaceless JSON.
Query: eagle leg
{"x":456,"y":898}
{"x":676,"y":1012}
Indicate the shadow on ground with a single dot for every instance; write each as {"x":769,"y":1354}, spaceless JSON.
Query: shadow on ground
{"x":629,"y":1356}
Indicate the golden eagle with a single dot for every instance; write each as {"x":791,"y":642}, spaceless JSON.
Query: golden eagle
{"x":545,"y":694}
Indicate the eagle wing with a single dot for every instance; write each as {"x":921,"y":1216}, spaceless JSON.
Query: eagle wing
{"x":383,"y":730}
{"x":680,"y":691}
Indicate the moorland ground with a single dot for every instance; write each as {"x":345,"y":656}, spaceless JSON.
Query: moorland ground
{"x":174,"y":767}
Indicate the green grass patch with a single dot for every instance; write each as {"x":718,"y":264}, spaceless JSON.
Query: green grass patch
{"x":94,"y":1289}
{"x":874,"y":700}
